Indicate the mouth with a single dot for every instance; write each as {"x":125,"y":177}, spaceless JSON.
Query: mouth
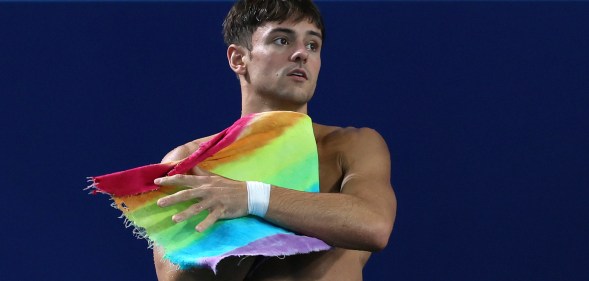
{"x":298,"y":73}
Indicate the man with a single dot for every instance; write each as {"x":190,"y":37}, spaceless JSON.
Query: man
{"x":274,"y":48}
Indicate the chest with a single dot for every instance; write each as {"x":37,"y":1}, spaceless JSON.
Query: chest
{"x":330,"y":169}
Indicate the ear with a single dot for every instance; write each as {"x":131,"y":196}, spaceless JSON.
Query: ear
{"x":235,"y":56}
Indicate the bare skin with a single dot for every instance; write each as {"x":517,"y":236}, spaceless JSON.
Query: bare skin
{"x":348,"y":159}
{"x":355,"y":209}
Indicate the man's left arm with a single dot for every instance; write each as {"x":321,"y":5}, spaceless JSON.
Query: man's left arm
{"x":360,"y":217}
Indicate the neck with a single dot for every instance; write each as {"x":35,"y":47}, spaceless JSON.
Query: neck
{"x":248,"y":108}
{"x":255,"y":103}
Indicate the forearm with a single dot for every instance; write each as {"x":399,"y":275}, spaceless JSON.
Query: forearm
{"x":341,"y":220}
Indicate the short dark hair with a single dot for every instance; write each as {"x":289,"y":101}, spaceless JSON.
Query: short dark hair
{"x":247,"y":15}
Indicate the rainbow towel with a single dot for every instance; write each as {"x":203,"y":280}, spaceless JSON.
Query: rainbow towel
{"x":273,"y":147}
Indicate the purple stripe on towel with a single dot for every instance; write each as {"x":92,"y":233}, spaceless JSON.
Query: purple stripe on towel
{"x":272,"y":246}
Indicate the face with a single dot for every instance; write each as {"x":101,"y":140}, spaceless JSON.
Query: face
{"x":283,"y":64}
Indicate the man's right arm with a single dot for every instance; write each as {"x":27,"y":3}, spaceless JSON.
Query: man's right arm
{"x":166,"y":271}
{"x":163,"y":268}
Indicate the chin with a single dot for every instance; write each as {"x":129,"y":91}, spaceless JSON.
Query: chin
{"x":298,"y":98}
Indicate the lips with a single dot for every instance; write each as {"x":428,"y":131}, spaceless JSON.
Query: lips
{"x":299,"y":72}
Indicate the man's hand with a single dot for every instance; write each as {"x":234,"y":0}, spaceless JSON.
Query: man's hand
{"x":222,"y":197}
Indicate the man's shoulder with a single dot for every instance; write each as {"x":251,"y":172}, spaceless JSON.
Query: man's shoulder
{"x":346,"y":136}
{"x":184,"y":150}
{"x":353,"y":149}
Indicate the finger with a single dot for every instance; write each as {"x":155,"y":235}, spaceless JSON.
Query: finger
{"x":181,"y":180}
{"x":181,"y":196}
{"x":208,"y":221}
{"x":193,"y":210}
{"x":198,"y":171}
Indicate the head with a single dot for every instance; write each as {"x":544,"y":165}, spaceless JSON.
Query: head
{"x":274,"y":48}
{"x":247,"y":15}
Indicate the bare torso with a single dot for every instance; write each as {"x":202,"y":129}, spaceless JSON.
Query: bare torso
{"x":335,"y":264}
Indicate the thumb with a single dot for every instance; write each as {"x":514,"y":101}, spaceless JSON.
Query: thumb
{"x":198,"y":171}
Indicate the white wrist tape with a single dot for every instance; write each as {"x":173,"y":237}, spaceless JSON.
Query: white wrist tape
{"x":258,"y":198}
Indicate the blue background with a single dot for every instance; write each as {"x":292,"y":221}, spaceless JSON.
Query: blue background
{"x":484,"y":107}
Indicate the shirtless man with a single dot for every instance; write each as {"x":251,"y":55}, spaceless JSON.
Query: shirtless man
{"x":274,"y":48}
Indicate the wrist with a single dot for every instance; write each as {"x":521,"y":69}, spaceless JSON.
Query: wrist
{"x":258,"y":198}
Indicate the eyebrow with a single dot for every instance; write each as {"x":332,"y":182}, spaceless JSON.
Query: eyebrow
{"x":291,"y":32}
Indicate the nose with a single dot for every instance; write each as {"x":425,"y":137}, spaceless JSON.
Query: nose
{"x":300,"y":54}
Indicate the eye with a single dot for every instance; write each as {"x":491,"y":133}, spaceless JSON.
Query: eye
{"x":312,"y":46}
{"x":280,"y":41}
